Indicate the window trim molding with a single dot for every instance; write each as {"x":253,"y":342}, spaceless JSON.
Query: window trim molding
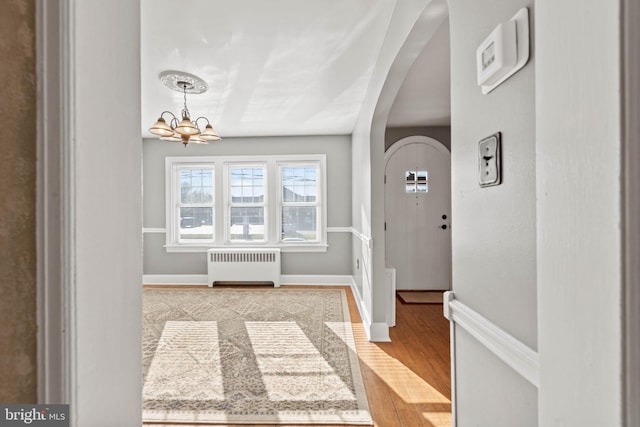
{"x":320,"y":203}
{"x":221,"y":166}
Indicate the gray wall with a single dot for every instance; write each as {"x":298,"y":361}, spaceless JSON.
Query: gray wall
{"x":494,"y":228}
{"x":337,"y":259}
{"x":440,"y":133}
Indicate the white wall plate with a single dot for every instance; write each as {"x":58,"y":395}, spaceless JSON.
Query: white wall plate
{"x":521,"y":20}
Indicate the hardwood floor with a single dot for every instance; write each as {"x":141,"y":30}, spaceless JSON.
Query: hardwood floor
{"x":407,"y":380}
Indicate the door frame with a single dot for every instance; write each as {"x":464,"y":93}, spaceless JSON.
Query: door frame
{"x":413,"y":139}
{"x":401,"y":143}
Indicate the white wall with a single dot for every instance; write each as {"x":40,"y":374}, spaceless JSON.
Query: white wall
{"x":104,"y":169}
{"x":335,"y":261}
{"x":578,"y":157}
{"x":493,"y":228}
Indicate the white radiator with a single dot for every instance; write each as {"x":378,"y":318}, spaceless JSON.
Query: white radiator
{"x":244,"y":265}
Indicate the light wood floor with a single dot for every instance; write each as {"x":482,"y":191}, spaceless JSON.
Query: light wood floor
{"x":408,"y":379}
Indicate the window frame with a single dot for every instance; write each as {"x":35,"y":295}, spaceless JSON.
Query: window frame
{"x":318,"y":204}
{"x":221,"y":166}
{"x":174,"y":202}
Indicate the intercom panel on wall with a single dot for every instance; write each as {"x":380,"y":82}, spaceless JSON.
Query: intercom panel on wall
{"x":503,"y":52}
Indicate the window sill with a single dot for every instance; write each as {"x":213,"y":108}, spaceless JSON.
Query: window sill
{"x":317,"y":247}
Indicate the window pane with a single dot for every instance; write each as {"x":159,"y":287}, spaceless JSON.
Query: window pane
{"x":410,"y":176}
{"x":196,"y":186}
{"x":247,"y":223}
{"x":299,"y":184}
{"x":196,"y":224}
{"x":247,"y":185}
{"x":299,"y":223}
{"x":421,"y":182}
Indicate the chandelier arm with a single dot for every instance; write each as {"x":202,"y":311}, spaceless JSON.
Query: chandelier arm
{"x":195,"y":122}
{"x":169,"y":112}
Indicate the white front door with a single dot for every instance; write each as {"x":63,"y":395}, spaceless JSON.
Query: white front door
{"x":418,"y":213}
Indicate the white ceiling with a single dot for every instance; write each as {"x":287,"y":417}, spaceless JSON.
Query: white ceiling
{"x":278,"y":67}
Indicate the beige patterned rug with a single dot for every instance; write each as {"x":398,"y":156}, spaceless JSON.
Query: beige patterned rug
{"x":272,"y":356}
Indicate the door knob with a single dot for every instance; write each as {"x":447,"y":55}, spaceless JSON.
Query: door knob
{"x":443,"y":226}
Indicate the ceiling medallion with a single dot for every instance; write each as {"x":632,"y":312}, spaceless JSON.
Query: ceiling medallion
{"x":173,"y":79}
{"x":186,"y":130}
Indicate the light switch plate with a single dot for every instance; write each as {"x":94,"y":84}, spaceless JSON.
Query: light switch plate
{"x":489,"y":161}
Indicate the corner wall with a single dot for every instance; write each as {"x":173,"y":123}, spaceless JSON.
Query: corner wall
{"x":581,"y":225}
{"x":18,"y":377}
{"x":493,"y":228}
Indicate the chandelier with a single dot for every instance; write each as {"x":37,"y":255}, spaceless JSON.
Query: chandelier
{"x":184,"y":129}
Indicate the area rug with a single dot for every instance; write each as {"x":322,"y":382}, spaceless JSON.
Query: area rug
{"x":420,"y":297}
{"x":234,"y":356}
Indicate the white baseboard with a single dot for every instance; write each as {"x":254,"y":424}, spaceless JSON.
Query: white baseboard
{"x":362,"y":309}
{"x":390,"y":278}
{"x":315,"y":279}
{"x":175,"y":279}
{"x":379,"y":332}
{"x":376,"y":331}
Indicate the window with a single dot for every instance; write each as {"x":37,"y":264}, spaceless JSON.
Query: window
{"x":416,"y":181}
{"x":246,"y":200}
{"x":247,"y":203}
{"x":192,"y":203}
{"x":300,"y":203}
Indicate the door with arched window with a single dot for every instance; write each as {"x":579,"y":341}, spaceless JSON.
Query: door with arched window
{"x":418,"y":213}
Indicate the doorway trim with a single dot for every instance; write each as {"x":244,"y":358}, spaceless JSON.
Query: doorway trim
{"x":55,"y":191}
{"x":412,"y":140}
{"x":88,"y":211}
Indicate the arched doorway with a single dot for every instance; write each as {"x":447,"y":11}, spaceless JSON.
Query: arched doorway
{"x":418,"y":213}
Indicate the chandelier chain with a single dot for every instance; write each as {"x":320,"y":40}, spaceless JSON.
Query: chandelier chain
{"x":185,"y":111}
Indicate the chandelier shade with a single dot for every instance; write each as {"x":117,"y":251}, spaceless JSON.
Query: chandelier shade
{"x":187,"y":127}
{"x":161,"y":128}
{"x":186,"y":130}
{"x":174,"y":137}
{"x":198,"y":140}
{"x":209,"y":134}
